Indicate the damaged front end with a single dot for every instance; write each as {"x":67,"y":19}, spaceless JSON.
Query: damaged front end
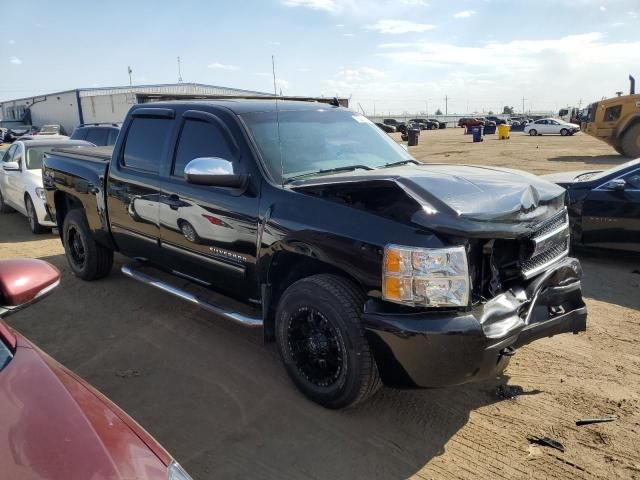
{"x":447,"y":347}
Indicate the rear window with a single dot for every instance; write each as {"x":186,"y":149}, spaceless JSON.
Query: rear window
{"x":79,"y":134}
{"x":145,"y":143}
{"x":98,"y":136}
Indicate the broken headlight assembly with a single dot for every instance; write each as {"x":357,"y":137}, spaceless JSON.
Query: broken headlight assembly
{"x":430,"y":277}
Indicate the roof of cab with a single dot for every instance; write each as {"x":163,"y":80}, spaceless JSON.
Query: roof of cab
{"x":240,"y":106}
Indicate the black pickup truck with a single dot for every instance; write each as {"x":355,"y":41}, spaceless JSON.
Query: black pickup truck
{"x":306,"y":220}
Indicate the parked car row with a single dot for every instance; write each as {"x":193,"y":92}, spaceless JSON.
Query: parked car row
{"x":99,"y":134}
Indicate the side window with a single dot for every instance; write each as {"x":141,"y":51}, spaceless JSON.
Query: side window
{"x":17,"y":156}
{"x":97,"y":136}
{"x":79,"y":134}
{"x":145,"y":143}
{"x":199,"y":139}
{"x":612,"y":114}
{"x":9,"y":153}
{"x":113,"y":136}
{"x":633,"y":181}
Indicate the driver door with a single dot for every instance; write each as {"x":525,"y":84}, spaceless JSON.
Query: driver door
{"x":11,"y":179}
{"x":611,"y":218}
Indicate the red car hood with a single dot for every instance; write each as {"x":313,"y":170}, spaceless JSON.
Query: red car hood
{"x":55,"y":426}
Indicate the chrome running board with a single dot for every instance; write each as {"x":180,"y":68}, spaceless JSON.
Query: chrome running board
{"x":227,"y":313}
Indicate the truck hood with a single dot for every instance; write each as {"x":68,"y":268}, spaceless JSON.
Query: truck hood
{"x":466,"y":200}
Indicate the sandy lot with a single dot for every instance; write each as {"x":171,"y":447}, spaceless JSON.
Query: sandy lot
{"x":221,"y":403}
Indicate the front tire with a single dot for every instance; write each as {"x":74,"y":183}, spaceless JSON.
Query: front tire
{"x":322,"y":342}
{"x":32,"y":217}
{"x":631,"y":142}
{"x":533,"y":132}
{"x":88,"y":260}
{"x":564,"y":132}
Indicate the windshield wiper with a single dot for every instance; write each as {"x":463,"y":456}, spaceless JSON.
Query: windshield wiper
{"x":346,"y":168}
{"x":401,"y":162}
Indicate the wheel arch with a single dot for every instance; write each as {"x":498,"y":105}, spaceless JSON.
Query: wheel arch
{"x":629,"y":122}
{"x":286,"y":268}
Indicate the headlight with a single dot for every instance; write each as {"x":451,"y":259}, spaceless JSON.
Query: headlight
{"x":176,"y":472}
{"x":433,"y":277}
{"x":40,"y":193}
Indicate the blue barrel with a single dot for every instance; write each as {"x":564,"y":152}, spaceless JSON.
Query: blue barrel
{"x":477,"y":134}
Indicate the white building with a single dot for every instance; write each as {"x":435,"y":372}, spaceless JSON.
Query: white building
{"x":100,"y":105}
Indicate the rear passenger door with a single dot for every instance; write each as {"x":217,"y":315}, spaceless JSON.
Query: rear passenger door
{"x":206,"y":232}
{"x":133,"y":188}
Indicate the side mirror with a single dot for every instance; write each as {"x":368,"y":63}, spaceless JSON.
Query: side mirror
{"x":616,"y":184}
{"x":25,"y":281}
{"x":11,"y":166}
{"x":213,"y":171}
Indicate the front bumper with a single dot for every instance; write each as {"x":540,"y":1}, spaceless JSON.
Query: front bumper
{"x":442,"y":348}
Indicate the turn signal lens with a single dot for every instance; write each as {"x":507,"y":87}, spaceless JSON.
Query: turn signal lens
{"x":426,"y":276}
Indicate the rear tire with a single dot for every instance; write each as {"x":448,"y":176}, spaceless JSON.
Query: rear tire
{"x":32,"y":217}
{"x":4,"y":208}
{"x":630,"y":144}
{"x":87,"y":259}
{"x":533,"y":132}
{"x":322,"y":342}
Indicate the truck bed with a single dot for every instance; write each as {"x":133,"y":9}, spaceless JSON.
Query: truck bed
{"x":100,"y":154}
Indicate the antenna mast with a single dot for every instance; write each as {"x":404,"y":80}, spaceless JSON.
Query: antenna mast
{"x":275,"y":94}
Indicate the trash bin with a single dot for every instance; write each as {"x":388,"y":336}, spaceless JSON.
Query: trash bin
{"x":412,"y":137}
{"x":477,"y":134}
{"x":503,"y":132}
{"x":489,"y":130}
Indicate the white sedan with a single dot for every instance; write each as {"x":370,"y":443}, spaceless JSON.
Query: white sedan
{"x":21,"y":180}
{"x":547,"y":126}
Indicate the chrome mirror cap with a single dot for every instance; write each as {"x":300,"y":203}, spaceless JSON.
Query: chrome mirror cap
{"x":212,"y":171}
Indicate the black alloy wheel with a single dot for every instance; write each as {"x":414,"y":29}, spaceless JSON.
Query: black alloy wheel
{"x":316,"y":347}
{"x":77,"y":248}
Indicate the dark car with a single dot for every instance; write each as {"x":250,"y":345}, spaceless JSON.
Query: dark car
{"x":99,"y":134}
{"x":496,"y":120}
{"x":16,"y":132}
{"x":425,"y":124}
{"x":386,"y":128}
{"x":363,"y":264}
{"x":399,"y":126}
{"x":55,"y":425}
{"x":604,"y":206}
{"x":440,"y":123}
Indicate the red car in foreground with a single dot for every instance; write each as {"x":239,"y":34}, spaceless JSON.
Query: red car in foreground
{"x":53,"y":425}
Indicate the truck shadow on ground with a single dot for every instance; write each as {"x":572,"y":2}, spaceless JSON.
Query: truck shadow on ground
{"x":612,"y":159}
{"x":220,"y":401}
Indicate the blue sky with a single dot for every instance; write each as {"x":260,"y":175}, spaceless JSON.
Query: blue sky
{"x":391,"y":55}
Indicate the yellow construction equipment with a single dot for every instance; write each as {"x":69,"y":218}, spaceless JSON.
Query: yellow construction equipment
{"x":616,"y":121}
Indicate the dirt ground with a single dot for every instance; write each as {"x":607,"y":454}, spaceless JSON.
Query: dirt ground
{"x":220,"y":401}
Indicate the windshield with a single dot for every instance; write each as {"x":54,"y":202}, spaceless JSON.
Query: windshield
{"x":612,"y":171}
{"x":315,"y":140}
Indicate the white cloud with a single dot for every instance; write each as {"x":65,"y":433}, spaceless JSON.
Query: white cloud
{"x":419,"y":3}
{"x":465,"y":14}
{"x":399,"y":26}
{"x":15,"y":61}
{"x":348,"y":34}
{"x":274,"y":43}
{"x":602,"y":8}
{"x":282,"y":84}
{"x":222,"y":66}
{"x":12,"y":42}
{"x":359,"y":74}
{"x":339,"y":25}
{"x":326,"y":5}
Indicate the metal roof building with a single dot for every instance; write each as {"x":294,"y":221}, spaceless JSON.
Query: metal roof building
{"x":71,"y":108}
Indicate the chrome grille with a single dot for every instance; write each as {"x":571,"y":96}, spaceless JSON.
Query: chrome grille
{"x":549,"y":244}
